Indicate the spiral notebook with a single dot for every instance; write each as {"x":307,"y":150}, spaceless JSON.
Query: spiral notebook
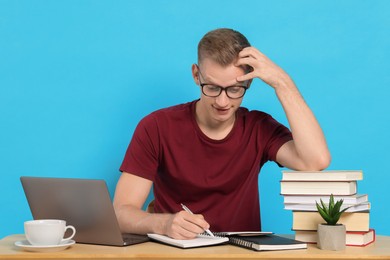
{"x":258,"y":241}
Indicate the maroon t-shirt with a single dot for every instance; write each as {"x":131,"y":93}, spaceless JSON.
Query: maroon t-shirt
{"x":216,"y":178}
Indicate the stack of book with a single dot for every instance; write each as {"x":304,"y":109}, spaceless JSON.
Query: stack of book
{"x":302,"y":189}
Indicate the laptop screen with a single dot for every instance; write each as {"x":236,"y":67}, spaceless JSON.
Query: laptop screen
{"x":83,"y":203}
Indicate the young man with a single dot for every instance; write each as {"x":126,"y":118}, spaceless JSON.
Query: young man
{"x":207,"y":154}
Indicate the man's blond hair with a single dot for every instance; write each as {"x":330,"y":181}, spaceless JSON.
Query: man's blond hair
{"x":222,"y":46}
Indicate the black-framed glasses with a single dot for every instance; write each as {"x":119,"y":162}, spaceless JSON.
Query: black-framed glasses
{"x":212,"y":90}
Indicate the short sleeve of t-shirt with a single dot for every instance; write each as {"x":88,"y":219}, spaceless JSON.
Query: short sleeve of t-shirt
{"x":141,"y":157}
{"x":278,"y":135}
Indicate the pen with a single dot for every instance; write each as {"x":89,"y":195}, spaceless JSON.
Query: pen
{"x":189,"y":211}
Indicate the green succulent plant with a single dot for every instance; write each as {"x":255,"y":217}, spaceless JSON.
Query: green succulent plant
{"x":331,"y":212}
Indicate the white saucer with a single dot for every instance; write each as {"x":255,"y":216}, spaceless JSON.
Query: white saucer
{"x":24,"y":244}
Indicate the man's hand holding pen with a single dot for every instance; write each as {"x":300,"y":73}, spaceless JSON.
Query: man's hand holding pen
{"x":186,"y":225}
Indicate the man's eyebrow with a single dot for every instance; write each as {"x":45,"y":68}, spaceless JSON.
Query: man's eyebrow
{"x":207,"y":81}
{"x":237,"y":84}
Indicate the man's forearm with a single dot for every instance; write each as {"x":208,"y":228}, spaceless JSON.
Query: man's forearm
{"x":309,"y":139}
{"x":136,"y":221}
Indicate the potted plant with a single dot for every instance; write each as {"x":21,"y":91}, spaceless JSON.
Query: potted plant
{"x":331,"y":236}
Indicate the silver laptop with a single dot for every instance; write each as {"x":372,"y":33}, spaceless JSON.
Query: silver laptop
{"x":83,"y":203}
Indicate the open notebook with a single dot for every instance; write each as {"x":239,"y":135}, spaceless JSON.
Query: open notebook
{"x":201,"y":240}
{"x":259,"y":241}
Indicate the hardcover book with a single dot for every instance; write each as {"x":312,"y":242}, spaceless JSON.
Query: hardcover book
{"x":329,"y":175}
{"x":318,"y":187}
{"x":312,"y":207}
{"x":353,"y":238}
{"x":311,"y":199}
{"x":353,"y":221}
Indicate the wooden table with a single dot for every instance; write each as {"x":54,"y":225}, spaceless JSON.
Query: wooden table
{"x":150,"y":250}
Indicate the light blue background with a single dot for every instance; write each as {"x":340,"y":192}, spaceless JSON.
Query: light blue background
{"x":77,"y":76}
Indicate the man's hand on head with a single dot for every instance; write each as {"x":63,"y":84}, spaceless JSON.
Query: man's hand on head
{"x":263,"y":67}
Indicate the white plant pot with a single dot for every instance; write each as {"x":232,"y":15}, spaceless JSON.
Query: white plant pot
{"x":331,"y":237}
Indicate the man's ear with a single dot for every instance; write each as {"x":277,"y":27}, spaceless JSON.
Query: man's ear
{"x":195,"y":73}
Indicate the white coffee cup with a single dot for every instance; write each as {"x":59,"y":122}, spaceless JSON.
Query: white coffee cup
{"x":47,"y":232}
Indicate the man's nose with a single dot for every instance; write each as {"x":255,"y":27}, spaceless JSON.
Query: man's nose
{"x":222,"y":100}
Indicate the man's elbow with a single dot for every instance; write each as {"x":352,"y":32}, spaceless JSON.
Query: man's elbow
{"x":321,"y":162}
